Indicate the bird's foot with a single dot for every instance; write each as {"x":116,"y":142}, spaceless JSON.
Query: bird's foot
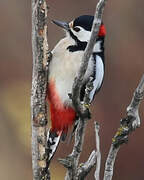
{"x":87,"y":107}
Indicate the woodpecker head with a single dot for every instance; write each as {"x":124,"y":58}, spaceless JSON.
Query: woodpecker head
{"x":80,"y":28}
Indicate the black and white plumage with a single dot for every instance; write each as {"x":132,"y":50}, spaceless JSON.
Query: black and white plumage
{"x":64,"y":67}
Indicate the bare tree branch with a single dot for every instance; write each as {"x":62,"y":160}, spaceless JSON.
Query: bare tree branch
{"x":128,"y":124}
{"x":98,"y":157}
{"x":39,"y":84}
{"x":81,"y":110}
{"x":71,"y":161}
{"x":108,"y":173}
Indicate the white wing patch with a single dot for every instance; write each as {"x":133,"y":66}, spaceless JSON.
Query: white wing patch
{"x":99,"y":74}
{"x":53,"y":147}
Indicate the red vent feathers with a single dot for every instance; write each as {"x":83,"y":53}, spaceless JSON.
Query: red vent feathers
{"x":61,"y":117}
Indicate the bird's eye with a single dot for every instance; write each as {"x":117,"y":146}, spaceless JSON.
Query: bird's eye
{"x":76,"y":29}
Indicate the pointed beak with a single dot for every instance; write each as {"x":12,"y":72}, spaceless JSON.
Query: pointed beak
{"x":62,"y":24}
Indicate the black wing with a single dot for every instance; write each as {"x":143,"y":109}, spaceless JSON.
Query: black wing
{"x":98,"y":74}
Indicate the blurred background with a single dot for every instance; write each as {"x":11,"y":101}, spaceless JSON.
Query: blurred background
{"x":124,"y":67}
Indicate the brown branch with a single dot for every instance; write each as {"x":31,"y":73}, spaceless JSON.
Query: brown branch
{"x":81,"y":110}
{"x":94,"y":157}
{"x":128,"y":125}
{"x":39,"y":84}
{"x":71,"y":161}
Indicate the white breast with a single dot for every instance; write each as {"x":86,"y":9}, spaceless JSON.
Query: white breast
{"x":64,"y":68}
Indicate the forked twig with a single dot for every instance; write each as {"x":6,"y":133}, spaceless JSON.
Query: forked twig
{"x":127,"y":125}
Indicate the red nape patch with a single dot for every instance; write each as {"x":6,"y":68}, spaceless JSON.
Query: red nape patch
{"x":61,"y":116}
{"x":102,"y":31}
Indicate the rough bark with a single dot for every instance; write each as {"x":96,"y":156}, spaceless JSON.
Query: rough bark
{"x":38,"y":93}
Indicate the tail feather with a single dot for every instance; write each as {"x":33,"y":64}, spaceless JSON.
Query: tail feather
{"x":53,"y":139}
{"x":64,"y":135}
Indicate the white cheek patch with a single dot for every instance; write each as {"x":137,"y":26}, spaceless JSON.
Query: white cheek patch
{"x":83,"y":35}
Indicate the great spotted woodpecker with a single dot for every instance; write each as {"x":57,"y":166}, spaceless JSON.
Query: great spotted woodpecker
{"x":64,"y":67}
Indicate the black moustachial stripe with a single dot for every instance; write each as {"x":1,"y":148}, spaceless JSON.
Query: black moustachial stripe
{"x":79,"y":46}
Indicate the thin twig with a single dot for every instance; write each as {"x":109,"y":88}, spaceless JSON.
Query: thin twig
{"x":72,"y":160}
{"x":39,"y":86}
{"x":98,"y":157}
{"x":86,"y":167}
{"x":128,"y":125}
{"x":109,"y":166}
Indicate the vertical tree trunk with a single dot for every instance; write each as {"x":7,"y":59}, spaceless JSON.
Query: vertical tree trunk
{"x":39,"y":85}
